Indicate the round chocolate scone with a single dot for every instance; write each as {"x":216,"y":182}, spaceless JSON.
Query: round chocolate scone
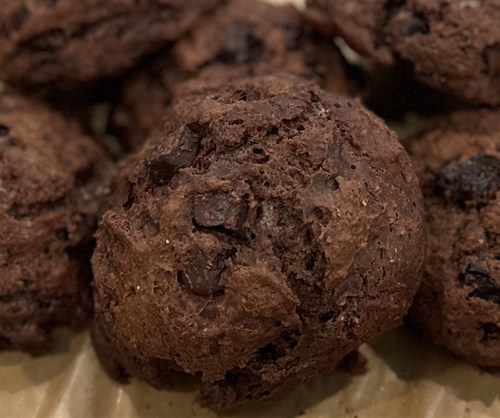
{"x":69,"y":42}
{"x":458,"y":306}
{"x":51,"y":180}
{"x":241,"y":38}
{"x":453,"y":45}
{"x":267,"y":230}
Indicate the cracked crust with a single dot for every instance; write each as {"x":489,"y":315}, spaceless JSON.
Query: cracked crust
{"x":264,"y":233}
{"x":240,"y":39}
{"x":453,"y":45}
{"x":51,"y":178}
{"x":67,"y":42}
{"x":458,"y":161}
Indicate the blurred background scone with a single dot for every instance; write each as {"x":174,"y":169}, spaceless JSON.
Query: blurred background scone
{"x":51,"y":181}
{"x":458,"y":306}
{"x":66,"y":42}
{"x":452,"y":45}
{"x":240,"y":38}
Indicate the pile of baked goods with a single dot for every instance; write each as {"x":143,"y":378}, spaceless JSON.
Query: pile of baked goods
{"x":202,"y":184}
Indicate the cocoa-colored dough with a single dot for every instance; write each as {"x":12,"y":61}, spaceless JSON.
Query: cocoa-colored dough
{"x":51,"y":180}
{"x":458,"y":160}
{"x":241,"y":38}
{"x":67,"y":42}
{"x":453,"y":45}
{"x":266,"y":231}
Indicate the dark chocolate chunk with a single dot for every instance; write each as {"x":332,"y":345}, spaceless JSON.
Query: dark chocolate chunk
{"x":485,"y":288}
{"x":4,"y":130}
{"x":414,"y":24}
{"x":202,"y":277}
{"x":491,"y":331}
{"x":219,"y":211}
{"x":477,"y":178}
{"x":163,"y":167}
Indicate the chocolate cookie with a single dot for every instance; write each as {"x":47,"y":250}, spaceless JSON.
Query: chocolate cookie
{"x":67,"y":42}
{"x":241,"y":38}
{"x":265,"y":232}
{"x":51,"y":179}
{"x":453,"y":45}
{"x":458,"y":160}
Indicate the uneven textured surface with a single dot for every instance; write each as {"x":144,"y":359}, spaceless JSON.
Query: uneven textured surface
{"x":268,"y":230}
{"x":452,"y":44}
{"x":51,"y":178}
{"x":458,"y":160}
{"x":241,"y":38}
{"x":67,"y":42}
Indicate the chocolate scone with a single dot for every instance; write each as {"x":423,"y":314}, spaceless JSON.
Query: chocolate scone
{"x":241,"y":38}
{"x":67,"y":42}
{"x":51,"y":180}
{"x":265,"y":232}
{"x":453,"y":45}
{"x":458,"y":306}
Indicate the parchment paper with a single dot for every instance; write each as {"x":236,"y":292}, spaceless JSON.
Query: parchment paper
{"x":407,"y":378}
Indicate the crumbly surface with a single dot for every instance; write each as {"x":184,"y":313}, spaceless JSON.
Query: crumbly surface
{"x":453,"y":45}
{"x":51,"y":178}
{"x":458,"y":161}
{"x":241,"y":38}
{"x":264,"y":233}
{"x":66,"y":42}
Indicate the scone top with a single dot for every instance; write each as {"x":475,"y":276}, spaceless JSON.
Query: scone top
{"x":265,"y":231}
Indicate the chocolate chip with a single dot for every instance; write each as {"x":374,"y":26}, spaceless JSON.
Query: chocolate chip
{"x":4,"y":130}
{"x":165,"y":164}
{"x":226,"y":211}
{"x":48,"y":41}
{"x":491,"y":58}
{"x":273,"y":130}
{"x":130,"y":197}
{"x":491,"y":331}
{"x":414,"y":24}
{"x":203,"y":278}
{"x":318,"y":213}
{"x":240,"y":95}
{"x":478,"y":178}
{"x":241,"y":46}
{"x":62,"y":234}
{"x":259,"y":156}
{"x":476,"y":270}
{"x":393,"y":6}
{"x":268,"y":353}
{"x":485,"y":287}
